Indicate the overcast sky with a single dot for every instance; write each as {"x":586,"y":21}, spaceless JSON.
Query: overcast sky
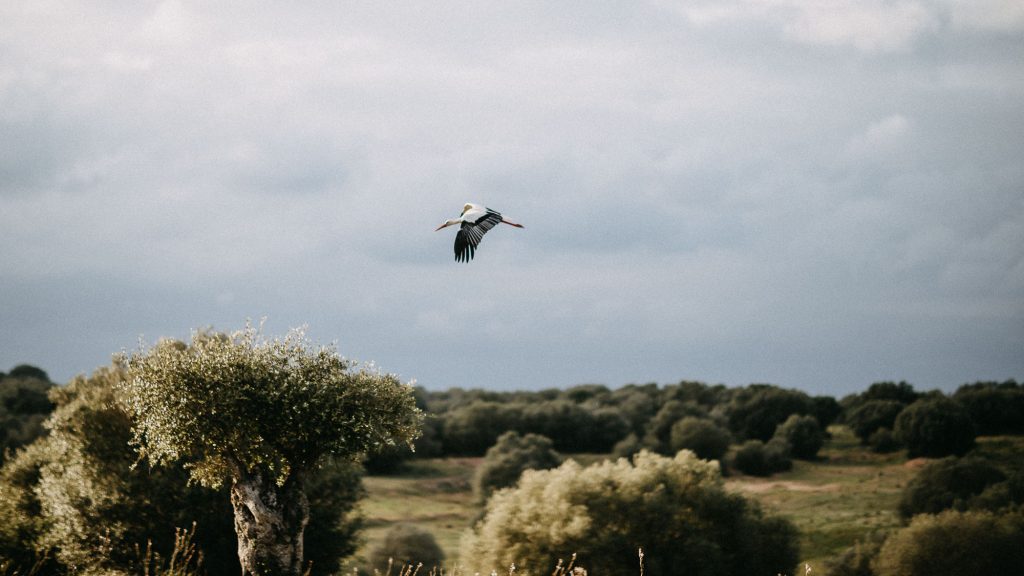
{"x":813,"y":194}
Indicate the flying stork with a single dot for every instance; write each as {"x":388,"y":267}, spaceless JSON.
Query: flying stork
{"x":476,"y":220}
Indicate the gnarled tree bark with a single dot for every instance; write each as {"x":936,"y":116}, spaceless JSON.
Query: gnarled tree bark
{"x":270,"y":521}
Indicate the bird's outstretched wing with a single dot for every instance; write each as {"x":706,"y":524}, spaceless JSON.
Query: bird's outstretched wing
{"x":469,"y":236}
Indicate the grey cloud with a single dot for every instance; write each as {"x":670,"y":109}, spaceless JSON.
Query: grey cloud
{"x":733,"y":191}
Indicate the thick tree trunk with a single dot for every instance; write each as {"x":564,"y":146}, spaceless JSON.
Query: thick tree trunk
{"x":269,"y":521}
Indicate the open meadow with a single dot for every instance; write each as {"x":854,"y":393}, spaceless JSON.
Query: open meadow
{"x":843,"y":496}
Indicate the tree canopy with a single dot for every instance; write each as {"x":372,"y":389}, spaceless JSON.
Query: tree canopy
{"x":243,"y":400}
{"x":262,"y":414}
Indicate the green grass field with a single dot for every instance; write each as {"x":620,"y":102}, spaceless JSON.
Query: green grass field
{"x":434,"y":494}
{"x":843,"y":496}
{"x":847,"y":493}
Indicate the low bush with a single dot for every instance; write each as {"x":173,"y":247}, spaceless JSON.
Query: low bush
{"x":701,"y":435}
{"x":759,"y":459}
{"x":872,"y":415}
{"x":676,"y":509}
{"x":405,"y":545}
{"x":995,"y":408}
{"x":509,"y":457}
{"x":947,"y":483}
{"x":935,"y":427}
{"x":857,"y":559}
{"x":24,"y":405}
{"x":628,"y":446}
{"x":803,"y":434}
{"x":955,"y":544}
{"x":883,"y":441}
{"x":1002,"y":495}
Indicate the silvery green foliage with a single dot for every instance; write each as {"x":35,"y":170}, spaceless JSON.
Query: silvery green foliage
{"x":241,"y":401}
{"x":74,"y":496}
{"x":676,"y":509}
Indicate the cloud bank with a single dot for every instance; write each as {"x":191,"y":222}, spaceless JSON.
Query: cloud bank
{"x":818,"y":195}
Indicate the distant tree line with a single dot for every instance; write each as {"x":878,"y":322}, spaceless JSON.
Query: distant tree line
{"x":595,"y":419}
{"x":755,"y":429}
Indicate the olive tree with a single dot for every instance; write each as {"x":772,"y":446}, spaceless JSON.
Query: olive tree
{"x":262,"y":414}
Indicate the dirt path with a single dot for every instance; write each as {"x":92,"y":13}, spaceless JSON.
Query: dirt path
{"x":757,"y":487}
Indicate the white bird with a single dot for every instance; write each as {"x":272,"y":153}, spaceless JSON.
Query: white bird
{"x":476,"y":220}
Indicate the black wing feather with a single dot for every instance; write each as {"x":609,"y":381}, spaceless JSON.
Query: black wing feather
{"x":469,"y":236}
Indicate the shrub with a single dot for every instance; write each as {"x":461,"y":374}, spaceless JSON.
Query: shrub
{"x":901,"y":392}
{"x":471,"y":429}
{"x":803,"y":434}
{"x":826,"y":410}
{"x":947,"y":483}
{"x":95,"y":507}
{"x":857,"y":559}
{"x":572,"y":427}
{"x":705,"y":438}
{"x":935,"y":427}
{"x":28,"y":372}
{"x":755,"y":411}
{"x":21,"y":521}
{"x":637,"y":404}
{"x":1000,"y":495}
{"x":675,"y":508}
{"x":994,"y":408}
{"x":333,"y":529}
{"x":24,"y":405}
{"x":759,"y":459}
{"x":404,"y":545}
{"x":657,"y":436}
{"x":628,"y":446}
{"x":509,"y":457}
{"x":608,"y":427}
{"x":955,"y":544}
{"x":883,"y":441}
{"x":868,"y":417}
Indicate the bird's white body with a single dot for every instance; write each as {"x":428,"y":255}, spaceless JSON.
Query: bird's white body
{"x":475,"y":221}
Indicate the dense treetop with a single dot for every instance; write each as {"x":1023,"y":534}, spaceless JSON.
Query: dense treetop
{"x":243,"y":400}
